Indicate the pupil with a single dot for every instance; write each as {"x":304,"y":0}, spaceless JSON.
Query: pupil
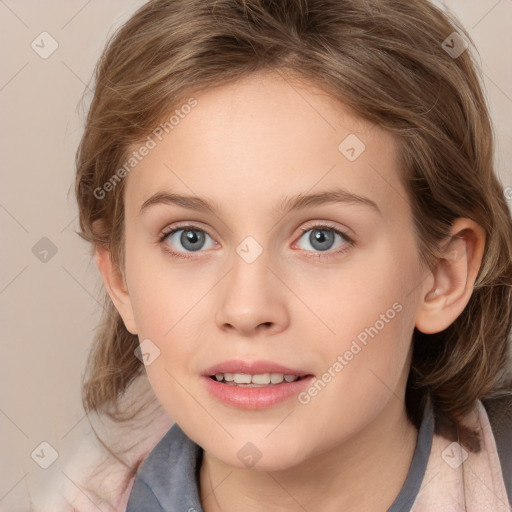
{"x":190,"y":238}
{"x":321,"y":239}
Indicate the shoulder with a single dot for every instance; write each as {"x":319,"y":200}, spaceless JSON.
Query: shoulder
{"x":97,"y":460}
{"x":499,"y":412}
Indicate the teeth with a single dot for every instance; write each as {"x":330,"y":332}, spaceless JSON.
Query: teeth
{"x":262,"y":379}
{"x":242,"y":378}
{"x":276,"y":378}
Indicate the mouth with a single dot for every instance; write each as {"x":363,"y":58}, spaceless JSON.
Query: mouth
{"x":253,"y":385}
{"x":256,"y":380}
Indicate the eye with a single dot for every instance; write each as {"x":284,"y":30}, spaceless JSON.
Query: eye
{"x":322,"y":239}
{"x":326,"y":238}
{"x":191,"y":238}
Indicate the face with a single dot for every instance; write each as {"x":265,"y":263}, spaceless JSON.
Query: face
{"x":326,"y":289}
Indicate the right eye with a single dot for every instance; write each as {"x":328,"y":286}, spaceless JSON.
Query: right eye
{"x":191,"y":238}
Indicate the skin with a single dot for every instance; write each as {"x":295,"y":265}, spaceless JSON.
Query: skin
{"x":248,"y":145}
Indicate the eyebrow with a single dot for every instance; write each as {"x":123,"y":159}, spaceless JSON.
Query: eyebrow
{"x":296,"y":202}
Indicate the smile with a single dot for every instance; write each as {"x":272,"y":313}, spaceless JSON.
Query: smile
{"x":258,"y":380}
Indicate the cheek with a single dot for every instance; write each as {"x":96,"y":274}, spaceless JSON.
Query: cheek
{"x":162,"y":292}
{"x":370,"y":291}
{"x":372,"y":315}
{"x":168,"y":306}
{"x":365,"y":367}
{"x":165,"y":315}
{"x":169,"y":310}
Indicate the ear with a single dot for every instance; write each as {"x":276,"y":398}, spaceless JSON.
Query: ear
{"x":115,"y":286}
{"x":449,"y":286}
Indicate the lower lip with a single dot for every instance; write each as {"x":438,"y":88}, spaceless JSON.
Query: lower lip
{"x":255,"y":398}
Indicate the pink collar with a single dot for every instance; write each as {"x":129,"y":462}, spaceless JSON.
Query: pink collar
{"x":458,"y":480}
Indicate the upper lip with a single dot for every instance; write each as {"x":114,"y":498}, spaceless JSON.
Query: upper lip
{"x":252,"y":368}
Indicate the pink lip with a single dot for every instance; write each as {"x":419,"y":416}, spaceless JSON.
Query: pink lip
{"x":255,"y":398}
{"x":258,"y":397}
{"x":252,"y":368}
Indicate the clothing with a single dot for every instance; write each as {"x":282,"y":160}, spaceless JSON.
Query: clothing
{"x":457,"y":480}
{"x":442,"y":475}
{"x":168,"y":479}
{"x":86,"y":476}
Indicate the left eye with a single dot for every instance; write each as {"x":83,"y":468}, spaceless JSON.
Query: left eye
{"x":192,"y":239}
{"x":322,"y":238}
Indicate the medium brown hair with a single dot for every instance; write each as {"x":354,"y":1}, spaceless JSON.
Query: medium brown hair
{"x":385,"y":59}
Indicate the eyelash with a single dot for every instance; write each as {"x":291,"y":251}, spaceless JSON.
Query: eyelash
{"x":349,"y":241}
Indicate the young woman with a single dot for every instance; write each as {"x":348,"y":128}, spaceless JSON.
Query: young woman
{"x":307,"y":253}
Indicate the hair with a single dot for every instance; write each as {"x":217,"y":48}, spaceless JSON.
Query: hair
{"x":385,"y":60}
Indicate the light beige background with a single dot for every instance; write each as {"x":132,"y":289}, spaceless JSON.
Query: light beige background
{"x":49,"y":309}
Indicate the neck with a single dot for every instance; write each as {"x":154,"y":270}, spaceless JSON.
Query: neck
{"x":336,"y":480}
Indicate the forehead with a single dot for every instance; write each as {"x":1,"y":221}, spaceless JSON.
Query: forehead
{"x":253,"y":141}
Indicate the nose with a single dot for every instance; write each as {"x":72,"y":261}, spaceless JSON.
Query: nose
{"x":252,"y":300}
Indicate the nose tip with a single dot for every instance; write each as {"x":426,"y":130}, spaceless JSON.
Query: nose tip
{"x":250,"y":302}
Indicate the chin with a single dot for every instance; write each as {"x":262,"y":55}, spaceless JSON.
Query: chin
{"x":252,"y":459}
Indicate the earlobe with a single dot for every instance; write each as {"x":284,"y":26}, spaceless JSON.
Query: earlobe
{"x":449,"y":289}
{"x":116,"y":287}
